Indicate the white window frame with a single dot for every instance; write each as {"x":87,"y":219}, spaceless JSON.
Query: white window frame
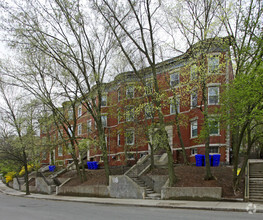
{"x":104,"y":100}
{"x":193,"y":151}
{"x":104,"y":120}
{"x":174,"y":79}
{"x":209,"y":95}
{"x":212,"y":149}
{"x":129,"y":91}
{"x":89,"y":126}
{"x":70,"y":130}
{"x":129,"y":113}
{"x":149,"y":87}
{"x":196,"y":94}
{"x":172,"y":105}
{"x":148,"y":109}
{"x":70,"y":113}
{"x":194,"y":123}
{"x":131,"y":131}
{"x":193,"y":72}
{"x":213,"y":63}
{"x":79,"y":129}
{"x":60,"y":151}
{"x":79,"y":110}
{"x":218,"y":127}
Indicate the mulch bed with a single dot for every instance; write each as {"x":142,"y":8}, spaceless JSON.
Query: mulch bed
{"x":192,"y":176}
{"x":188,"y":176}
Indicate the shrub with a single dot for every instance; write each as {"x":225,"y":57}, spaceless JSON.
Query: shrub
{"x":9,"y":176}
{"x":22,"y":171}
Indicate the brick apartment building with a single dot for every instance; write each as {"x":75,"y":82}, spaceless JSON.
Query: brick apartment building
{"x":127,"y":111}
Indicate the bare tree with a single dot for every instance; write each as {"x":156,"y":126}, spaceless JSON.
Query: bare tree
{"x":72,"y":37}
{"x":133,"y":25}
{"x":20,"y":142}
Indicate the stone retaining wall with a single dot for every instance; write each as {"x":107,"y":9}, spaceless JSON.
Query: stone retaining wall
{"x":193,"y":193}
{"x":121,"y":186}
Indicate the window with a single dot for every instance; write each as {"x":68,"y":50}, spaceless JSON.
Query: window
{"x":174,"y":79}
{"x":129,"y":135}
{"x":118,"y":139}
{"x":129,"y":92}
{"x":79,"y":111}
{"x":193,"y":151}
{"x":79,"y":129}
{"x":89,"y":128}
{"x":193,"y":128}
{"x":70,"y":149}
{"x":70,"y":130}
{"x":119,"y":116}
{"x":213,"y":127}
{"x":130,"y":156}
{"x":129,"y":113}
{"x":44,"y":155}
{"x":193,"y":72}
{"x":174,"y":105}
{"x":70,"y":114}
{"x":213,"y":64}
{"x":148,"y":111}
{"x":213,"y":150}
{"x":104,"y":120}
{"x":119,"y":94}
{"x":104,"y":100}
{"x":194,"y":99}
{"x":213,"y":95}
{"x":149,"y":87}
{"x":60,"y":151}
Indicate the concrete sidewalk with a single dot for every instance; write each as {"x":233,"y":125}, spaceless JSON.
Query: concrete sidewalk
{"x":180,"y":204}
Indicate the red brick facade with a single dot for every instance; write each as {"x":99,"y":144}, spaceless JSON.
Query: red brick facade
{"x":124,"y":93}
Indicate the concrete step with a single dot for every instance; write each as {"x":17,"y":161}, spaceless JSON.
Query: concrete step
{"x":153,"y":196}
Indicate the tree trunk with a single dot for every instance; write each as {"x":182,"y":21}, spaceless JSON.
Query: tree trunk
{"x":104,"y":153}
{"x":208,"y":174}
{"x":26,"y":173}
{"x":83,"y":169}
{"x":171,"y":173}
{"x":76,"y":162}
{"x":180,"y":138}
{"x":152,"y":156}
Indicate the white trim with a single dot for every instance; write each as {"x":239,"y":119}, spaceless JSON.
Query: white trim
{"x":80,"y":110}
{"x":218,"y":95}
{"x":191,"y":128}
{"x":126,"y":131}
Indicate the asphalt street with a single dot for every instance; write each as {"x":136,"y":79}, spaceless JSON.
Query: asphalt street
{"x":21,"y":208}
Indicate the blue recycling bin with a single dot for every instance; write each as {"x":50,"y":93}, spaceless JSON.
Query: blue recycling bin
{"x":216,"y":160}
{"x":95,"y":165}
{"x":199,"y":158}
{"x":210,"y":160}
{"x":88,"y":163}
{"x":51,"y":168}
